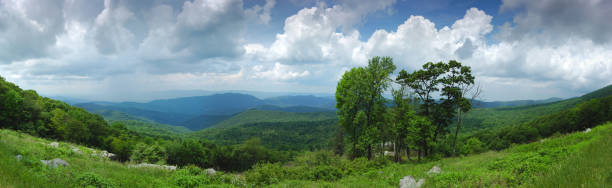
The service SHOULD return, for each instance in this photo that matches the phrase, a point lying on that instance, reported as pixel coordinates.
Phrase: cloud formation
(551, 48)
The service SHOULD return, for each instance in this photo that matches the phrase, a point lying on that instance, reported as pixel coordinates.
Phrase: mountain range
(200, 112)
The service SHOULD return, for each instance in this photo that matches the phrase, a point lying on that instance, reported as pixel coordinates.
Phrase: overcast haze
(119, 50)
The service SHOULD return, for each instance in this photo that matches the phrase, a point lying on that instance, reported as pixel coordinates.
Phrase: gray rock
(434, 170)
(389, 153)
(55, 162)
(410, 182)
(211, 171)
(76, 150)
(54, 144)
(19, 157)
(587, 130)
(147, 165)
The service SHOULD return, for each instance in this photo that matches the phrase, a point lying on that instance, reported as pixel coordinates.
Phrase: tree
(361, 105)
(446, 78)
(474, 91)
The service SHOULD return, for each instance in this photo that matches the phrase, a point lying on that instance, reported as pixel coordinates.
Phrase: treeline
(415, 121)
(585, 115)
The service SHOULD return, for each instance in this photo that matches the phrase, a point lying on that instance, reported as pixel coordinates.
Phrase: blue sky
(120, 50)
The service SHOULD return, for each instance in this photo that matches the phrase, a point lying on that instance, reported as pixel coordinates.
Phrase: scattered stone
(19, 157)
(211, 171)
(107, 154)
(410, 182)
(76, 150)
(434, 170)
(147, 165)
(54, 144)
(55, 162)
(587, 130)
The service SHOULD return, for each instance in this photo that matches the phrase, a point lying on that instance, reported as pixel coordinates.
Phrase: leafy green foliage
(361, 105)
(93, 180)
(148, 153)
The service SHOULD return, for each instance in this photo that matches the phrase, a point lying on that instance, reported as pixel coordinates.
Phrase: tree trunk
(407, 153)
(457, 131)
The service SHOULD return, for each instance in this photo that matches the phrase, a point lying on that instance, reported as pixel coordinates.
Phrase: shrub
(89, 179)
(327, 173)
(190, 176)
(265, 174)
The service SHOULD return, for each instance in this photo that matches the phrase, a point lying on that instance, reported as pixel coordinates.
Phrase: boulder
(587, 130)
(55, 162)
(211, 171)
(434, 170)
(410, 182)
(54, 144)
(19, 157)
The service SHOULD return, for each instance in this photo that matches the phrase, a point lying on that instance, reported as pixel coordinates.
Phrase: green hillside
(258, 116)
(85, 169)
(285, 136)
(483, 118)
(143, 125)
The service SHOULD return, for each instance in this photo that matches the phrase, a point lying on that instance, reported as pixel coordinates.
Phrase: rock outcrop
(211, 171)
(55, 162)
(410, 182)
(434, 170)
(147, 165)
(19, 157)
(54, 144)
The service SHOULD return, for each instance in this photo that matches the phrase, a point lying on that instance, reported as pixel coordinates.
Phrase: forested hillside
(483, 118)
(258, 116)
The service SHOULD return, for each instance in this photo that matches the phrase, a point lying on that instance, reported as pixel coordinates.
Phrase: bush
(190, 176)
(148, 154)
(327, 173)
(265, 174)
(89, 179)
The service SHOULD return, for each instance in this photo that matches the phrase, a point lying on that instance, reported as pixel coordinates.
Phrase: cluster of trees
(413, 120)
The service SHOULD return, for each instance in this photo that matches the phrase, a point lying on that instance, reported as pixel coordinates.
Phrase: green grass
(592, 167)
(84, 169)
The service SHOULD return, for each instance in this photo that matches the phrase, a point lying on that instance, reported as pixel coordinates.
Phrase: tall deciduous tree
(361, 105)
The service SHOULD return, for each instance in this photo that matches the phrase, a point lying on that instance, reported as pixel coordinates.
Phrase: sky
(116, 50)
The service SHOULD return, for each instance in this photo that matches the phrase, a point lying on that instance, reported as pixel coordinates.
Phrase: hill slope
(258, 116)
(483, 118)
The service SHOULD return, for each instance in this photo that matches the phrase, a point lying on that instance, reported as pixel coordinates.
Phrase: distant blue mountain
(495, 104)
(200, 112)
